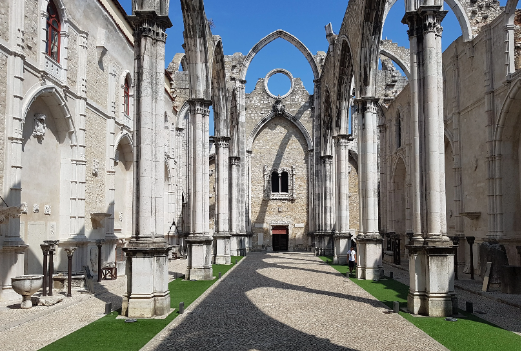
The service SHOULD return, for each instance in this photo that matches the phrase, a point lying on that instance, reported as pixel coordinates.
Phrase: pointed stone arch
(458, 10)
(270, 117)
(387, 51)
(279, 33)
(219, 91)
(125, 140)
(57, 104)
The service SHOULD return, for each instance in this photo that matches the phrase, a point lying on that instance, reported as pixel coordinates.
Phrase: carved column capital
(200, 106)
(150, 24)
(342, 140)
(431, 19)
(221, 142)
(235, 161)
(70, 251)
(327, 159)
(45, 249)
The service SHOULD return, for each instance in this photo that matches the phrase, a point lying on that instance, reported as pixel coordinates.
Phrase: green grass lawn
(468, 333)
(109, 333)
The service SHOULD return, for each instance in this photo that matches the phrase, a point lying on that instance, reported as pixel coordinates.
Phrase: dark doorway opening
(280, 238)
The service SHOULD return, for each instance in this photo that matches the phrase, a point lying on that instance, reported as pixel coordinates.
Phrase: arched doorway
(399, 211)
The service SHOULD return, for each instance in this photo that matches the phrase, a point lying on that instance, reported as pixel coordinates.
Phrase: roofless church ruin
(409, 154)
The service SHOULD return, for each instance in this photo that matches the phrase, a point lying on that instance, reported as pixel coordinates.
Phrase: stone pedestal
(11, 265)
(147, 279)
(240, 244)
(222, 252)
(199, 257)
(342, 245)
(369, 258)
(431, 275)
(324, 244)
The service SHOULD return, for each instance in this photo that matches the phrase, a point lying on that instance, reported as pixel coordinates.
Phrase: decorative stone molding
(272, 73)
(36, 208)
(47, 210)
(268, 194)
(278, 108)
(39, 126)
(23, 208)
(9, 212)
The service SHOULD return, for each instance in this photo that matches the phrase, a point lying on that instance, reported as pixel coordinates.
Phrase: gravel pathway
(39, 326)
(487, 305)
(290, 301)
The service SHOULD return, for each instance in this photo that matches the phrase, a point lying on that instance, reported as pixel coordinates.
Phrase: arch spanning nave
(100, 146)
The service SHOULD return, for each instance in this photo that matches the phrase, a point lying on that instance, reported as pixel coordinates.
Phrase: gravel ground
(486, 305)
(39, 326)
(290, 301)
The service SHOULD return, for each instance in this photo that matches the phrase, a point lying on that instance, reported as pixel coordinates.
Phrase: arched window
(275, 185)
(52, 47)
(284, 182)
(280, 182)
(126, 97)
(398, 132)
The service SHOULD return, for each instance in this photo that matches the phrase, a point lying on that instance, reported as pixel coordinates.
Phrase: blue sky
(242, 23)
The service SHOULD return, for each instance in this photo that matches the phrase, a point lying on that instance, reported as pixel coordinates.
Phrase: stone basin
(27, 285)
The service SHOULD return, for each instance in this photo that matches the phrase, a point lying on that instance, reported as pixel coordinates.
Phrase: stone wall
(97, 76)
(259, 105)
(95, 140)
(31, 32)
(4, 20)
(279, 144)
(72, 60)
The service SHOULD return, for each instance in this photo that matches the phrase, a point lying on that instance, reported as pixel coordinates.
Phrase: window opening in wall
(53, 32)
(127, 97)
(399, 132)
(275, 182)
(284, 182)
(279, 183)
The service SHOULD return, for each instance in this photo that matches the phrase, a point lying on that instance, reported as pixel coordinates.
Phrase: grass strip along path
(468, 333)
(109, 333)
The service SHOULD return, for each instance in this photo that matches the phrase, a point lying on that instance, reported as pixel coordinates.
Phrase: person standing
(351, 257)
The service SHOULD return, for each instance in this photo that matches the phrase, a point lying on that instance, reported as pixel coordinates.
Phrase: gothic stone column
(235, 170)
(147, 263)
(431, 260)
(222, 235)
(369, 241)
(343, 234)
(200, 240)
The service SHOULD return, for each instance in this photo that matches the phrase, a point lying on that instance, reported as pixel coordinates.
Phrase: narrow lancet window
(275, 186)
(53, 32)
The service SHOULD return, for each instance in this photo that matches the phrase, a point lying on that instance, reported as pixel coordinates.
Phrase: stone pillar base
(369, 257)
(240, 244)
(199, 257)
(342, 245)
(431, 276)
(222, 243)
(147, 273)
(324, 244)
